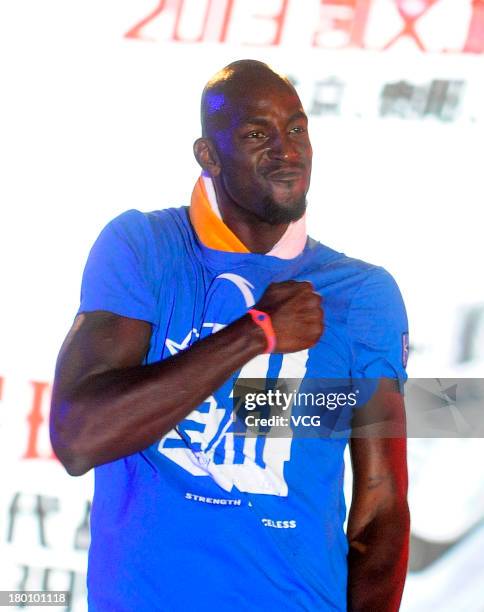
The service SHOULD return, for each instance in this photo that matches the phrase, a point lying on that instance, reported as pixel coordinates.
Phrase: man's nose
(283, 148)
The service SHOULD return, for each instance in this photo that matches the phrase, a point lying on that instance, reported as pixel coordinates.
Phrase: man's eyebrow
(255, 121)
(298, 115)
(263, 121)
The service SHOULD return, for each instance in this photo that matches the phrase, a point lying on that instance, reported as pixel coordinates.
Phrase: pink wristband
(263, 320)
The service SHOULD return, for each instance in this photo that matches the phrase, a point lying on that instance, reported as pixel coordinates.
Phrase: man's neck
(285, 241)
(257, 235)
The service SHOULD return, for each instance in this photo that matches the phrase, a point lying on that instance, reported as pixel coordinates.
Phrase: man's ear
(206, 156)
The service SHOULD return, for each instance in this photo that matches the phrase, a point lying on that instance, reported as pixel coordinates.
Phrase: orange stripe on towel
(211, 230)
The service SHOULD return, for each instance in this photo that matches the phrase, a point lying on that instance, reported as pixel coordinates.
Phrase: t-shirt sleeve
(378, 328)
(118, 276)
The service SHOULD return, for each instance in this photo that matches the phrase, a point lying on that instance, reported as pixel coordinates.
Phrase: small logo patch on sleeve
(405, 349)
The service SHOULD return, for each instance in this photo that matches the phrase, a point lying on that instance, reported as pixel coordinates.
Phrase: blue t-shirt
(205, 519)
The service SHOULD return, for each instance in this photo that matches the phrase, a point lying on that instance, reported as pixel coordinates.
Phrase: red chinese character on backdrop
(36, 420)
(341, 23)
(411, 11)
(475, 35)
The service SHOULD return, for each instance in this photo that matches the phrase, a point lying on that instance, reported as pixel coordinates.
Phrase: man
(187, 515)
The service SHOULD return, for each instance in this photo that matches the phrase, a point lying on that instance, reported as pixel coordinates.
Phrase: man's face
(266, 154)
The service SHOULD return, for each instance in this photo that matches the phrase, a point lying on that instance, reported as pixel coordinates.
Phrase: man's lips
(292, 174)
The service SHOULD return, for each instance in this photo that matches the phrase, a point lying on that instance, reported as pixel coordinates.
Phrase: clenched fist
(296, 313)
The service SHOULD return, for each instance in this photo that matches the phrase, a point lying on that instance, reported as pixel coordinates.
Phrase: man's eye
(256, 134)
(298, 129)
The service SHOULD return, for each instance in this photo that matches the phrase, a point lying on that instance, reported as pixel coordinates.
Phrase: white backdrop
(93, 123)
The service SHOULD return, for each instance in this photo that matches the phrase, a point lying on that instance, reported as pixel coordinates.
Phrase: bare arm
(106, 405)
(379, 524)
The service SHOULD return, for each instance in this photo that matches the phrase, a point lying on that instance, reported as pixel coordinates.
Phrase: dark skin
(267, 154)
(106, 405)
(379, 521)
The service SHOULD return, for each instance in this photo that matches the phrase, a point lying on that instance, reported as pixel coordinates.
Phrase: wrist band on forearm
(263, 320)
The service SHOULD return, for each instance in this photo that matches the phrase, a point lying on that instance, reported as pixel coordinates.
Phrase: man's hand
(296, 314)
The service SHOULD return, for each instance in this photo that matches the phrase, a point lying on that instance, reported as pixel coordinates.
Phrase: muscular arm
(378, 524)
(106, 405)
